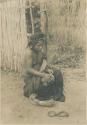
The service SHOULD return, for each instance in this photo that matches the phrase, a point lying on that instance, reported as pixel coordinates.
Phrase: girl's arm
(27, 66)
(35, 72)
(43, 66)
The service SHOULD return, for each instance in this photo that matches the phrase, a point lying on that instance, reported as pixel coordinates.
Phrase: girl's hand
(50, 71)
(51, 77)
(47, 78)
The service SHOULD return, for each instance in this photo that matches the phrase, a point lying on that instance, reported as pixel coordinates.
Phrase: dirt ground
(17, 109)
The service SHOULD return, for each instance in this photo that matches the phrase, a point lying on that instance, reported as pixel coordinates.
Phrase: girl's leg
(27, 89)
(58, 86)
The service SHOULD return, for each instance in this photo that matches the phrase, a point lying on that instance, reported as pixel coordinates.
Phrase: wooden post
(44, 20)
(32, 21)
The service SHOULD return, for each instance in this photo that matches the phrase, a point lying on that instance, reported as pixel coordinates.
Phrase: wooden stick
(32, 21)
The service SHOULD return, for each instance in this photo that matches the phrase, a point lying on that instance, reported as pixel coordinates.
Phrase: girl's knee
(57, 72)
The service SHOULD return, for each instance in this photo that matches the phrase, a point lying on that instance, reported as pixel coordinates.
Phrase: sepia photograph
(43, 62)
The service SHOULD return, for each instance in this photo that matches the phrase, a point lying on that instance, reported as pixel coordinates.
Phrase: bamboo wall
(13, 38)
(12, 33)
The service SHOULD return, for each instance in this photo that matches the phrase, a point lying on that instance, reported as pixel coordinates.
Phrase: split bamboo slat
(0, 36)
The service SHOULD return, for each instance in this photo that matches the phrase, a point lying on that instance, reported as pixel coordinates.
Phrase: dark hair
(35, 38)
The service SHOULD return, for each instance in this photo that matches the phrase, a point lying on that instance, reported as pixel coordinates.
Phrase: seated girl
(44, 80)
